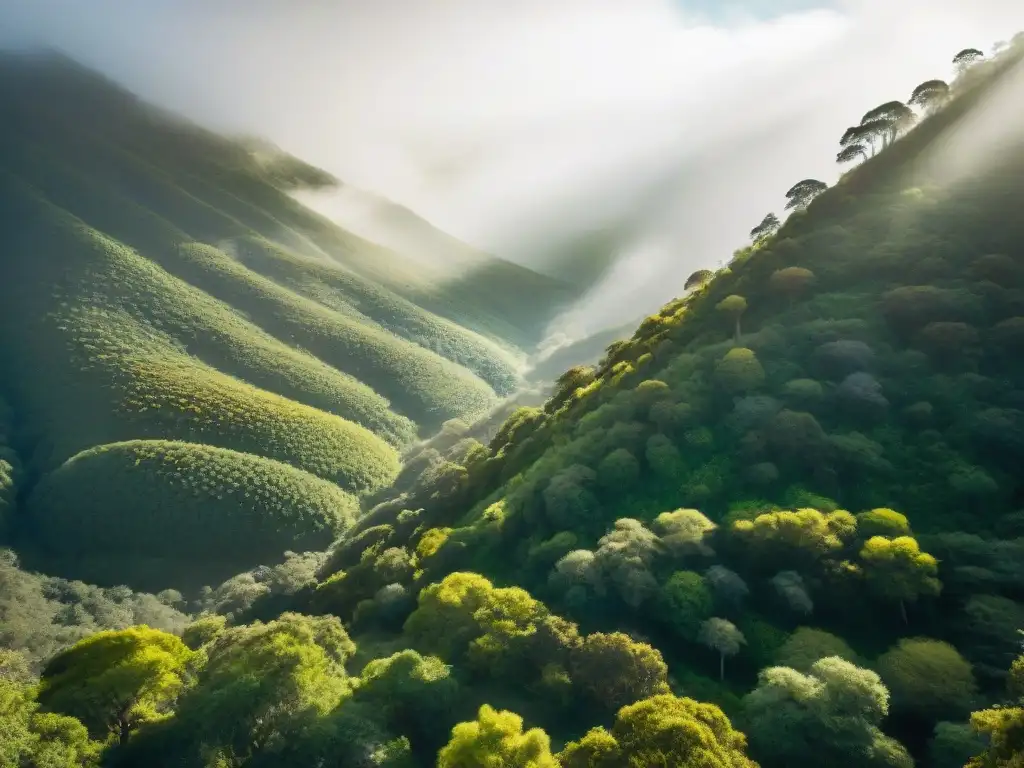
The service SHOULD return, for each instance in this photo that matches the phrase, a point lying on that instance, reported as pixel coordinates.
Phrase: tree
(567, 384)
(954, 745)
(930, 94)
(203, 630)
(568, 500)
(618, 471)
(804, 536)
(723, 636)
(1002, 728)
(30, 739)
(625, 554)
(496, 740)
(734, 306)
(791, 282)
(115, 681)
(263, 681)
(790, 586)
(769, 226)
(577, 570)
(803, 192)
(663, 730)
(443, 622)
(683, 532)
(739, 371)
(616, 670)
(851, 152)
(882, 522)
(698, 279)
(928, 678)
(685, 602)
(858, 139)
(412, 693)
(897, 569)
(966, 58)
(895, 115)
(728, 588)
(829, 716)
(808, 645)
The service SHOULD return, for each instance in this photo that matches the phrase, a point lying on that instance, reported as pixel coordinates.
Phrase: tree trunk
(737, 329)
(721, 666)
(124, 729)
(903, 612)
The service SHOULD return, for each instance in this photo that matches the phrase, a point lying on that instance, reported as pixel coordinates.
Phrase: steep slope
(458, 270)
(814, 454)
(214, 189)
(121, 319)
(348, 293)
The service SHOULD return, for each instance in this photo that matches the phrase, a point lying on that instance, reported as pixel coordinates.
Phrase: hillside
(781, 524)
(814, 453)
(160, 282)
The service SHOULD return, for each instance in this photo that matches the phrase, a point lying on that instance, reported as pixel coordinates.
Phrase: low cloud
(517, 126)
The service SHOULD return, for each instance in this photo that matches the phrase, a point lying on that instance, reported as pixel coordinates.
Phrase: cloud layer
(517, 125)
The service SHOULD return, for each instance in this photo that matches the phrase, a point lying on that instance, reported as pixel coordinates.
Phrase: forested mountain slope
(815, 453)
(779, 525)
(159, 282)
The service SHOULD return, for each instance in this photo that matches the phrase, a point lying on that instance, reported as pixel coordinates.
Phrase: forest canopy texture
(782, 524)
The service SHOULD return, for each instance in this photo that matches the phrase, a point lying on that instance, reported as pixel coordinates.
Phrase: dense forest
(295, 508)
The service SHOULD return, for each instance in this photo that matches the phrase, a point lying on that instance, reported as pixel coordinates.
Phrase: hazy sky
(515, 124)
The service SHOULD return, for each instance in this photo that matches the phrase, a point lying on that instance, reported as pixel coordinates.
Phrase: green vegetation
(419, 384)
(121, 320)
(778, 525)
(185, 501)
(347, 293)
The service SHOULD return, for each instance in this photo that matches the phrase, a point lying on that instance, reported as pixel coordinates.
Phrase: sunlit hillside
(779, 523)
(160, 282)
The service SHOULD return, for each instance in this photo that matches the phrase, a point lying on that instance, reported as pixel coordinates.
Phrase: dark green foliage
(830, 715)
(185, 502)
(928, 678)
(803, 192)
(10, 470)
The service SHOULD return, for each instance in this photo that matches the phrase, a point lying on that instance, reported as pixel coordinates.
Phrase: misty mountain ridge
(163, 293)
(778, 521)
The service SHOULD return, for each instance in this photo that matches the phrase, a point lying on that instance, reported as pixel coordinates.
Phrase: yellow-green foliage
(352, 295)
(662, 730)
(739, 370)
(153, 390)
(116, 681)
(419, 383)
(67, 296)
(116, 359)
(185, 502)
(496, 738)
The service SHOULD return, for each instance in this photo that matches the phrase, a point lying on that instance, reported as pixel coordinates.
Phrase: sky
(517, 125)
